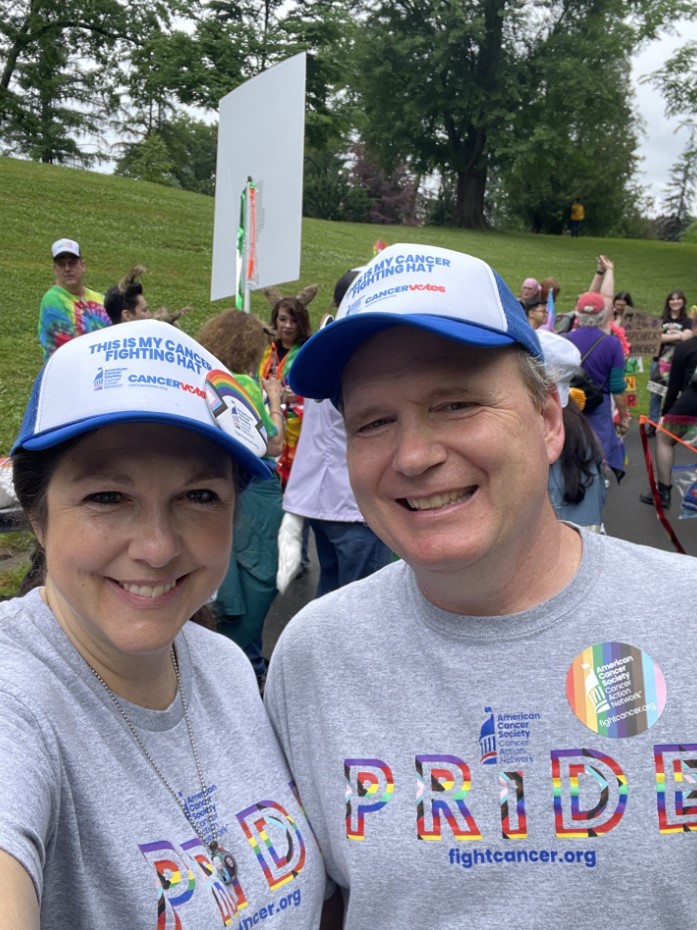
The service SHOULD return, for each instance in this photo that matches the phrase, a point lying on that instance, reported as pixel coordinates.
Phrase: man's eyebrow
(366, 412)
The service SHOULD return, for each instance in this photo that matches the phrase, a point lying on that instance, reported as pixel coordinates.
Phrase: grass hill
(120, 223)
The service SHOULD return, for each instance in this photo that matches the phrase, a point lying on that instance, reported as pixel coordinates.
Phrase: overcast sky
(662, 144)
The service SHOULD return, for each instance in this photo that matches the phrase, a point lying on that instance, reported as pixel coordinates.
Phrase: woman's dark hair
(31, 475)
(32, 471)
(625, 296)
(299, 313)
(124, 295)
(667, 318)
(579, 455)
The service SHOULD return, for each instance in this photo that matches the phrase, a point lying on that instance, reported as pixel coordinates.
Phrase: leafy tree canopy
(446, 84)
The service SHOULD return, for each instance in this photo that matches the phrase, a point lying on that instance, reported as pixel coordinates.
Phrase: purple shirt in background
(606, 355)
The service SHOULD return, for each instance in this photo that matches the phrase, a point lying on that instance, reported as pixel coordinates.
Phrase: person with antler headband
(124, 302)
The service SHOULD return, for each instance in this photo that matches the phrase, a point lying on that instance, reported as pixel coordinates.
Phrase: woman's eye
(105, 497)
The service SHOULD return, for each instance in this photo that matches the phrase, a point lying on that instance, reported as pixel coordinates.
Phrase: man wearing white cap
(501, 702)
(69, 309)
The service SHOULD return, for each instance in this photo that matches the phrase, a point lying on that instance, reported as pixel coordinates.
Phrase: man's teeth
(438, 500)
(144, 590)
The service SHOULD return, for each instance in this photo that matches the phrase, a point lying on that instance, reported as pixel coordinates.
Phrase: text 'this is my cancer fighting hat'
(447, 293)
(144, 371)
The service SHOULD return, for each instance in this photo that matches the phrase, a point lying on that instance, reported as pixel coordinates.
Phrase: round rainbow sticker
(616, 689)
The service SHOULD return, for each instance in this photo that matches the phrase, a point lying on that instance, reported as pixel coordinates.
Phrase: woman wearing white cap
(576, 484)
(140, 782)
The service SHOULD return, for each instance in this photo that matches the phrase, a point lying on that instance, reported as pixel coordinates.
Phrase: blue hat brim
(318, 367)
(251, 464)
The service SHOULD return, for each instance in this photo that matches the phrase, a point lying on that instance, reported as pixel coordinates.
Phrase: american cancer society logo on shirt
(505, 738)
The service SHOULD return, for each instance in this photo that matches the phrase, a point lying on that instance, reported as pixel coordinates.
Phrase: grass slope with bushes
(120, 222)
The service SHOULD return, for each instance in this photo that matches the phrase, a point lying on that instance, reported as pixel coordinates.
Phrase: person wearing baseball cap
(133, 741)
(603, 361)
(69, 308)
(452, 720)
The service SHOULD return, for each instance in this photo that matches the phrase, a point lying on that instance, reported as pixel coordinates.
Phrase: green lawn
(120, 223)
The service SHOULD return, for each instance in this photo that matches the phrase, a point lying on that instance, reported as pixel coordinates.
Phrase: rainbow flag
(551, 315)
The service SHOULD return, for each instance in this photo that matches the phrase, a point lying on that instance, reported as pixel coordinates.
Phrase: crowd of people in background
(596, 328)
(320, 494)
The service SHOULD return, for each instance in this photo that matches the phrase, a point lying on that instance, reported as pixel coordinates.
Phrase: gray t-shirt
(105, 843)
(533, 771)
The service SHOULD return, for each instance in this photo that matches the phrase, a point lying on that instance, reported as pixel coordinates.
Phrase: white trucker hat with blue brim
(145, 371)
(447, 293)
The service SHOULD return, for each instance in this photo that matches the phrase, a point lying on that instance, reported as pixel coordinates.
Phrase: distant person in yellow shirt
(578, 215)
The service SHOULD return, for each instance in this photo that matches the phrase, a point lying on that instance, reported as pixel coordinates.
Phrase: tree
(434, 83)
(147, 160)
(680, 193)
(677, 81)
(442, 81)
(228, 42)
(326, 31)
(391, 197)
(181, 152)
(58, 79)
(578, 115)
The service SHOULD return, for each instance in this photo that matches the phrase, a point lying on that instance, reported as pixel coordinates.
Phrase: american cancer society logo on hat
(234, 410)
(107, 378)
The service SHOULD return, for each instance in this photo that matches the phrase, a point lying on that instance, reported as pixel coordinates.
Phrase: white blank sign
(260, 135)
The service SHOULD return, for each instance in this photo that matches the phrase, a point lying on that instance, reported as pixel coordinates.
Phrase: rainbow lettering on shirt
(439, 781)
(514, 825)
(682, 761)
(262, 823)
(177, 883)
(365, 778)
(611, 782)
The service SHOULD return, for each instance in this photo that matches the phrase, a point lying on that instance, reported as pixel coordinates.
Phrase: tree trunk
(469, 202)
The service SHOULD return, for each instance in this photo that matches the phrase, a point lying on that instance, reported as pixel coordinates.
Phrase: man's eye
(202, 496)
(373, 425)
(456, 406)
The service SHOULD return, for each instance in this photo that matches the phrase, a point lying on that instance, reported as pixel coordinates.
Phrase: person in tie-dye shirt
(69, 308)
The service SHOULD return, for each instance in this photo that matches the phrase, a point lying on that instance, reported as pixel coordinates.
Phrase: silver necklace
(222, 859)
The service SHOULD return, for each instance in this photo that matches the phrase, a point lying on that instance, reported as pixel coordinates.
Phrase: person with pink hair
(529, 290)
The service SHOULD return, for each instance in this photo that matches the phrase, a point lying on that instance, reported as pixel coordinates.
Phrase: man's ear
(554, 425)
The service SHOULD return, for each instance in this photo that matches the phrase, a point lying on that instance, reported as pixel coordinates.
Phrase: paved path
(625, 516)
